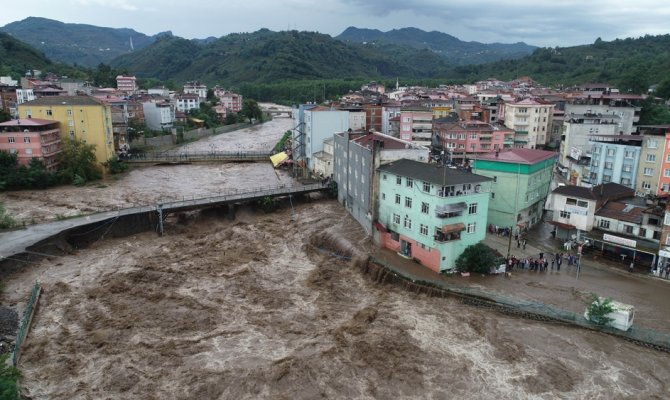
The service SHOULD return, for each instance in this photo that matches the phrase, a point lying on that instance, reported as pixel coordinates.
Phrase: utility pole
(509, 244)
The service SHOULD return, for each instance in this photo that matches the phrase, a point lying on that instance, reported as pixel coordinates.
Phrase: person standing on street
(631, 267)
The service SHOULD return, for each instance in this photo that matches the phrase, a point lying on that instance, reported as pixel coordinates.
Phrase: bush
(9, 376)
(115, 166)
(478, 258)
(6, 221)
(598, 309)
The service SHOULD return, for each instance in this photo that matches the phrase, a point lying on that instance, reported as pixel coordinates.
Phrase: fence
(384, 272)
(22, 333)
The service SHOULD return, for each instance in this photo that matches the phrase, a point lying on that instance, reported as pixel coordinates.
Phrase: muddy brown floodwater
(265, 306)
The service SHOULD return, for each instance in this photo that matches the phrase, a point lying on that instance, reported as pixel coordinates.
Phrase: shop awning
(562, 225)
(453, 228)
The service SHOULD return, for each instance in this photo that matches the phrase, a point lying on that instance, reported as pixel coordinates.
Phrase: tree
(6, 221)
(476, 258)
(251, 110)
(77, 162)
(5, 116)
(598, 310)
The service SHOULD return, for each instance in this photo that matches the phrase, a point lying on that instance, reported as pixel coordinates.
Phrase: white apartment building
(531, 121)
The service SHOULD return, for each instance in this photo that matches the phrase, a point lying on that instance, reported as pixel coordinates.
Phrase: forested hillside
(265, 56)
(629, 64)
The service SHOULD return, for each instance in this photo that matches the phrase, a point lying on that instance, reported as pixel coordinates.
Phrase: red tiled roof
(28, 122)
(521, 156)
(621, 212)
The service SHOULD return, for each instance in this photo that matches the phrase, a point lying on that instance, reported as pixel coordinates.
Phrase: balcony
(449, 233)
(521, 132)
(450, 210)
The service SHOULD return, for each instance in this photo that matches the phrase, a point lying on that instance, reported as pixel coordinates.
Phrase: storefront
(623, 249)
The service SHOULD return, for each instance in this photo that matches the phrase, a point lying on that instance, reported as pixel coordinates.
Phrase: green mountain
(451, 48)
(17, 57)
(80, 44)
(629, 64)
(265, 56)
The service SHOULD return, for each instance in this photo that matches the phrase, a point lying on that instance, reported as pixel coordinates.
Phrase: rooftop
(432, 173)
(621, 212)
(64, 101)
(605, 191)
(390, 143)
(27, 122)
(520, 156)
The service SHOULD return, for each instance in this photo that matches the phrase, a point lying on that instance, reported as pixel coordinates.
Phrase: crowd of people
(543, 263)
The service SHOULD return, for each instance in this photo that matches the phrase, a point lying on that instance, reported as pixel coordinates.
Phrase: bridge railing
(229, 195)
(176, 155)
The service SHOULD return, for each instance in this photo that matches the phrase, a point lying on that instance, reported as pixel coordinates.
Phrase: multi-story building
(196, 88)
(521, 179)
(430, 214)
(628, 114)
(30, 138)
(373, 117)
(575, 148)
(231, 101)
(664, 178)
(313, 125)
(531, 121)
(389, 112)
(651, 155)
(356, 158)
(615, 161)
(574, 207)
(465, 139)
(81, 117)
(187, 102)
(126, 84)
(159, 115)
(416, 125)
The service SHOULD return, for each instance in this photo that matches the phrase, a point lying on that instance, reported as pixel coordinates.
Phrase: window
(648, 171)
(607, 178)
(472, 227)
(408, 222)
(608, 165)
(625, 181)
(10, 139)
(628, 229)
(565, 214)
(646, 185)
(426, 187)
(423, 229)
(26, 139)
(49, 112)
(652, 144)
(605, 224)
(384, 177)
(425, 207)
(409, 182)
(408, 202)
(665, 187)
(629, 154)
(595, 163)
(582, 204)
(398, 180)
(610, 152)
(396, 218)
(383, 196)
(571, 202)
(473, 136)
(69, 113)
(643, 232)
(493, 195)
(666, 173)
(472, 209)
(627, 168)
(495, 179)
(29, 151)
(651, 157)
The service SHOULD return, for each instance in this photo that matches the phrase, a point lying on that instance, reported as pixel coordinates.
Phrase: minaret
(131, 44)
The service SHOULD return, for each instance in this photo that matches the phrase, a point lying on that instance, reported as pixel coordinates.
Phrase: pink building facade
(30, 138)
(466, 138)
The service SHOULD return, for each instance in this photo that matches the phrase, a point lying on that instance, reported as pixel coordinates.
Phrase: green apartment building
(430, 213)
(521, 183)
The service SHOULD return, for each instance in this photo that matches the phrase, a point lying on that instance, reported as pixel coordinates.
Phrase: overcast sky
(536, 22)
